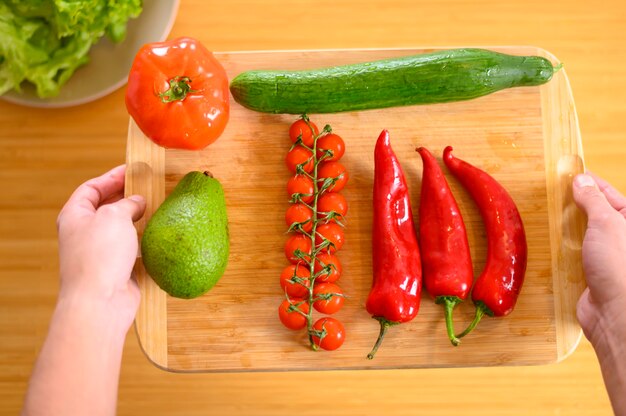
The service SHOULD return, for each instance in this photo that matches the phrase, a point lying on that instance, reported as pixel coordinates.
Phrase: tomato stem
(314, 249)
(180, 86)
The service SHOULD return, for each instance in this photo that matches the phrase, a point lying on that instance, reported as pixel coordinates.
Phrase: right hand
(601, 307)
(98, 246)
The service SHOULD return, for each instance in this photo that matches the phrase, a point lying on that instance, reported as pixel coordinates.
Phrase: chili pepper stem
(481, 310)
(449, 303)
(384, 326)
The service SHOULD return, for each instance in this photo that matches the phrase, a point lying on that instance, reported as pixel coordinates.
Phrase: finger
(131, 207)
(615, 198)
(91, 194)
(583, 301)
(589, 198)
(113, 198)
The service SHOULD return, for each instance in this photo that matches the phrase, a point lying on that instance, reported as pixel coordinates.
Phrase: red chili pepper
(447, 265)
(395, 294)
(496, 290)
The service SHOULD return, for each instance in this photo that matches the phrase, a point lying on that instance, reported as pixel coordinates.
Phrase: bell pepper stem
(384, 326)
(449, 303)
(481, 310)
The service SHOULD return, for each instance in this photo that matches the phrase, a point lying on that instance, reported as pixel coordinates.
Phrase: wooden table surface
(45, 154)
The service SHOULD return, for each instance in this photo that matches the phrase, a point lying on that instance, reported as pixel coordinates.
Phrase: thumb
(589, 198)
(133, 206)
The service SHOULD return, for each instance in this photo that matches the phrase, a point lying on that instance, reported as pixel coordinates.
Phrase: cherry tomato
(331, 232)
(301, 185)
(178, 95)
(332, 334)
(331, 202)
(300, 213)
(299, 289)
(332, 170)
(333, 304)
(324, 259)
(297, 242)
(299, 156)
(290, 318)
(334, 144)
(299, 127)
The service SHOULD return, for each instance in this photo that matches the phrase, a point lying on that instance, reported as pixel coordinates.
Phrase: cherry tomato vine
(315, 219)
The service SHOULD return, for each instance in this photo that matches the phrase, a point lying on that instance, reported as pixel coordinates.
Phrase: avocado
(185, 244)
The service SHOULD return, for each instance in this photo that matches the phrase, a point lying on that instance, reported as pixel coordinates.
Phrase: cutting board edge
(530, 48)
(183, 370)
(563, 142)
(145, 175)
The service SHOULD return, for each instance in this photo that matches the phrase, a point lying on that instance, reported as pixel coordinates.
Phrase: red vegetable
(395, 294)
(334, 171)
(299, 156)
(332, 205)
(178, 94)
(329, 334)
(327, 267)
(496, 290)
(304, 130)
(300, 188)
(294, 280)
(299, 217)
(446, 261)
(298, 244)
(289, 315)
(329, 298)
(333, 233)
(331, 144)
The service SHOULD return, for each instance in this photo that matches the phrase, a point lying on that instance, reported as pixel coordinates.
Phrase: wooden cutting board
(527, 138)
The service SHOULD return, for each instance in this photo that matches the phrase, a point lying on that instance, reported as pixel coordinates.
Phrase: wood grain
(511, 134)
(44, 155)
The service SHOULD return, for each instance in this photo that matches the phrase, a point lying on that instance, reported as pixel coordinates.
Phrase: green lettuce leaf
(44, 41)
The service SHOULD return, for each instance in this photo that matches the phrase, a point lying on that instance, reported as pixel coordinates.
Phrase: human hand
(600, 309)
(98, 244)
(77, 371)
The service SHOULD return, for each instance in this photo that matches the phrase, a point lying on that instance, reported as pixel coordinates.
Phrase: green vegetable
(44, 41)
(443, 76)
(185, 245)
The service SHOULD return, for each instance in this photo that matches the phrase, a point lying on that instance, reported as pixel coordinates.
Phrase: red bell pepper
(395, 294)
(496, 290)
(447, 265)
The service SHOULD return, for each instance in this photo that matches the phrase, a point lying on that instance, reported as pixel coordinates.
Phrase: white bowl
(109, 62)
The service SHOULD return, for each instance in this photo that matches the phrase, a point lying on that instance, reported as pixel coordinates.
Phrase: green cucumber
(438, 77)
